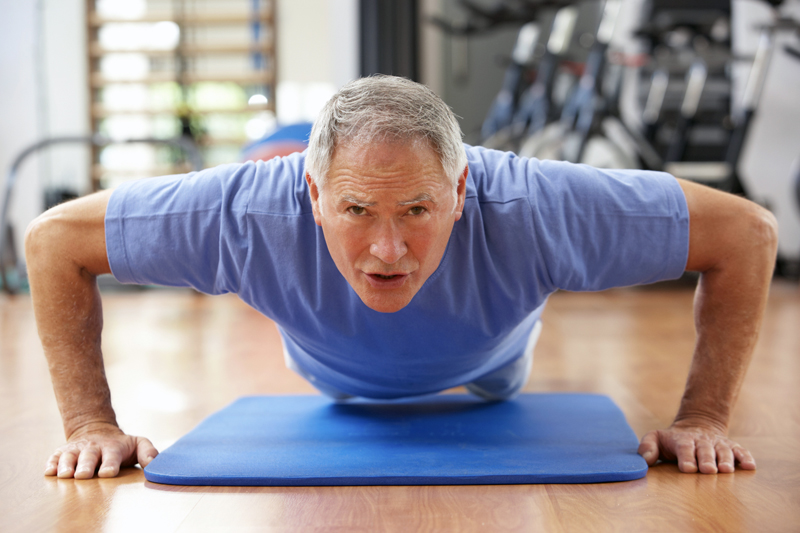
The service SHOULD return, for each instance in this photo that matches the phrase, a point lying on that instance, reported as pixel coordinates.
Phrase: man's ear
(313, 192)
(461, 193)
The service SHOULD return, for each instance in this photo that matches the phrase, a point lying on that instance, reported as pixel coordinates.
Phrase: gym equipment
(536, 109)
(752, 96)
(795, 53)
(535, 106)
(502, 110)
(569, 138)
(12, 270)
(695, 81)
(655, 102)
(433, 440)
(686, 114)
(482, 19)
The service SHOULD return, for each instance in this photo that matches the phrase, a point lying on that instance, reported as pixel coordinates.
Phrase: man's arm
(732, 243)
(65, 251)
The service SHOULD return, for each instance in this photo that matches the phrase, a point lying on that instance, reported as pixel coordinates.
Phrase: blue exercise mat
(434, 440)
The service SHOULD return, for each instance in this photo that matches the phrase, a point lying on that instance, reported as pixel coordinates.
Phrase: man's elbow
(39, 238)
(70, 235)
(762, 233)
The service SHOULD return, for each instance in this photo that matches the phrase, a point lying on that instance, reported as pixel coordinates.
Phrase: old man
(398, 262)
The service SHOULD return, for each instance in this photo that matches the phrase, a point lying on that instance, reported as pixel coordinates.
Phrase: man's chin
(385, 303)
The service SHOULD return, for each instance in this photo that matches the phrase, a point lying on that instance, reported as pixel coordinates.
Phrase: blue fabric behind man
(529, 228)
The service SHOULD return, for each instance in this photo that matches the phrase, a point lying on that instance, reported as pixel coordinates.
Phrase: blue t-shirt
(529, 227)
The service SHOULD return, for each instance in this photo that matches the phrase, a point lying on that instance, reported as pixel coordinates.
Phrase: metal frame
(186, 146)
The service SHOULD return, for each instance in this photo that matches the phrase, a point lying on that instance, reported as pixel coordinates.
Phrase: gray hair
(380, 109)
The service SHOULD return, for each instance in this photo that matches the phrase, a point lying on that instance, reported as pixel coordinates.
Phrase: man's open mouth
(386, 281)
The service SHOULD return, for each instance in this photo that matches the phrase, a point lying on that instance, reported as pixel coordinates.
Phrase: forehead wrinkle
(363, 198)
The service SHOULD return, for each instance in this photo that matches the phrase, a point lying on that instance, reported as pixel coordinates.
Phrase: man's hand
(103, 445)
(695, 446)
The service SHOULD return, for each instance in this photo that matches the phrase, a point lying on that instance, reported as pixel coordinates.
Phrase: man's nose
(389, 245)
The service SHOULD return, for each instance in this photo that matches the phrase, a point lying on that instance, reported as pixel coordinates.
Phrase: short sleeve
(184, 230)
(595, 229)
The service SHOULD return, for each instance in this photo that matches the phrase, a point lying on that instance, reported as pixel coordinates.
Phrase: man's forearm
(726, 336)
(729, 307)
(68, 313)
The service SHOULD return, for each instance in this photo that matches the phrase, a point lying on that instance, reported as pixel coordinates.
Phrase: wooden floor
(174, 357)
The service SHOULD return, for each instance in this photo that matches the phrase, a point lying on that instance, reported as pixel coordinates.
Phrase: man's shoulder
(268, 187)
(279, 187)
(498, 177)
(503, 176)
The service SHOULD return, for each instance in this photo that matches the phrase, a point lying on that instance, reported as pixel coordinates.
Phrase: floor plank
(174, 357)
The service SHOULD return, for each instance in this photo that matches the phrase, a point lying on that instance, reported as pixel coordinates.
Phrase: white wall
(303, 51)
(344, 35)
(18, 124)
(317, 54)
(64, 97)
(40, 102)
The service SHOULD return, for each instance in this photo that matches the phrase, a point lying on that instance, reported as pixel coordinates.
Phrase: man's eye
(357, 210)
(416, 210)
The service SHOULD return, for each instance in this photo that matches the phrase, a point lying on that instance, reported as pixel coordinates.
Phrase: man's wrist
(688, 417)
(74, 427)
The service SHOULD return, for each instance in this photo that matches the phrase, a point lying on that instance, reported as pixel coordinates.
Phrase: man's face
(387, 211)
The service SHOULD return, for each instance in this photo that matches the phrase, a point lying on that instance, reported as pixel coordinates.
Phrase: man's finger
(66, 463)
(87, 462)
(648, 449)
(685, 452)
(52, 464)
(112, 458)
(746, 460)
(145, 451)
(724, 458)
(706, 457)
